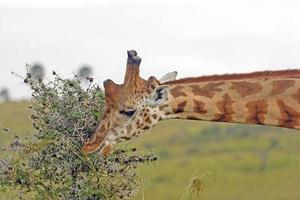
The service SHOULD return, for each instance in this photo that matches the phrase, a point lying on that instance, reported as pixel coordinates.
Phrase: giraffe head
(130, 108)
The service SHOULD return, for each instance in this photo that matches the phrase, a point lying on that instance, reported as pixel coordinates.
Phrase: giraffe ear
(171, 76)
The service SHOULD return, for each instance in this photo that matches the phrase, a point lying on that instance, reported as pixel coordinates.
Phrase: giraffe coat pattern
(264, 98)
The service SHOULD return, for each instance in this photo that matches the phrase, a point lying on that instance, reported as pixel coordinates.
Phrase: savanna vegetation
(198, 160)
(49, 163)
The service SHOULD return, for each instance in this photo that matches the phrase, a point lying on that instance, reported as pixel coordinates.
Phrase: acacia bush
(50, 164)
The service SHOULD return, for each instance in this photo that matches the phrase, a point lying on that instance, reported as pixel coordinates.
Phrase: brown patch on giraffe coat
(129, 128)
(225, 106)
(114, 131)
(148, 120)
(115, 124)
(161, 107)
(139, 127)
(154, 116)
(245, 88)
(180, 107)
(199, 107)
(176, 91)
(296, 96)
(208, 90)
(290, 118)
(256, 111)
(280, 86)
(104, 115)
(102, 128)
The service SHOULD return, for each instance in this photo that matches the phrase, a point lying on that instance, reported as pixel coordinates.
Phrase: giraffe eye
(159, 94)
(128, 113)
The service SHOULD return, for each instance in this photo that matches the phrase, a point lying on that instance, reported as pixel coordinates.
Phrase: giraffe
(265, 98)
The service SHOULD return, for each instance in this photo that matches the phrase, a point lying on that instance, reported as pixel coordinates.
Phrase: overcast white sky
(193, 37)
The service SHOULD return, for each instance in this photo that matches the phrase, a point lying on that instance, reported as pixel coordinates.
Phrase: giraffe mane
(291, 73)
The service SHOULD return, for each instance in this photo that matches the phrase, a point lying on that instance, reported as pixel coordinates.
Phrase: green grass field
(241, 162)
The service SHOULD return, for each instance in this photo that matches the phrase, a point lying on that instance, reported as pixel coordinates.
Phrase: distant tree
(85, 72)
(4, 94)
(36, 71)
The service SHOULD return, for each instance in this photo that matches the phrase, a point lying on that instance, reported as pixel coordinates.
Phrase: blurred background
(193, 37)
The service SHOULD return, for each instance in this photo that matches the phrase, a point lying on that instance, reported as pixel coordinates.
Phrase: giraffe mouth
(94, 144)
(104, 148)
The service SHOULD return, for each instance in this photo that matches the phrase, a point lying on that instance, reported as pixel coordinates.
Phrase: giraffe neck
(253, 99)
